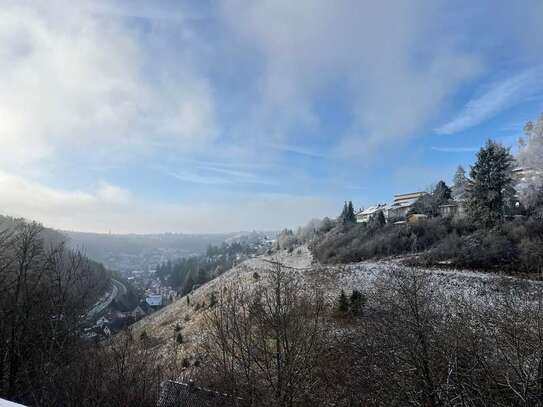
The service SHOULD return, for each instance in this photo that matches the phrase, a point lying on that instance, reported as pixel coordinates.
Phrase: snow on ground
(6, 403)
(475, 287)
(480, 288)
(188, 314)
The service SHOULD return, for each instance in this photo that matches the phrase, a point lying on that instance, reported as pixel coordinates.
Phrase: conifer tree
(343, 302)
(358, 301)
(343, 216)
(492, 190)
(460, 183)
(378, 219)
(442, 193)
(351, 217)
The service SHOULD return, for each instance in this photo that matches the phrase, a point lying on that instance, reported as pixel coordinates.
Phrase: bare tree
(266, 341)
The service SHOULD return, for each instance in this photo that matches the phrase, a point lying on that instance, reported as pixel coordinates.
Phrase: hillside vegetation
(369, 333)
(45, 289)
(500, 225)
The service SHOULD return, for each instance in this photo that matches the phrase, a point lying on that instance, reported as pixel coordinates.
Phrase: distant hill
(50, 236)
(136, 252)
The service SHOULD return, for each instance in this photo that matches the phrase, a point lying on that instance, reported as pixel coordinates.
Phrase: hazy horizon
(212, 117)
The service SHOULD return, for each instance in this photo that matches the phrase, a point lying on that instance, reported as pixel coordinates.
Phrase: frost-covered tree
(530, 157)
(460, 183)
(492, 184)
(286, 240)
(307, 233)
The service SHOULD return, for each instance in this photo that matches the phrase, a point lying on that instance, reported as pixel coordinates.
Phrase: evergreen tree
(358, 301)
(442, 193)
(347, 214)
(460, 183)
(492, 189)
(343, 302)
(351, 217)
(343, 215)
(378, 220)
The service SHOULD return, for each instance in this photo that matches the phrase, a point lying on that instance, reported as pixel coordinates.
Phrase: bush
(484, 249)
(360, 242)
(515, 245)
(531, 255)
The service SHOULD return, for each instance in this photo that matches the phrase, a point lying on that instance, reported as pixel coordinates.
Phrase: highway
(117, 289)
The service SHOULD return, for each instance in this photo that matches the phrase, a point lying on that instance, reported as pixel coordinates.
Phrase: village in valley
(139, 292)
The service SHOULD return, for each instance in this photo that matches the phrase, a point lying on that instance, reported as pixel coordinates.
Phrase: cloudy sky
(209, 116)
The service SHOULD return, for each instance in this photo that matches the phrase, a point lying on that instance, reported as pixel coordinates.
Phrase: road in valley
(117, 289)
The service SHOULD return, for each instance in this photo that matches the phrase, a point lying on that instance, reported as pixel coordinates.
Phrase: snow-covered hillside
(475, 287)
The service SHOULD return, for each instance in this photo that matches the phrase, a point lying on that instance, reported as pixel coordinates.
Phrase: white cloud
(75, 78)
(108, 207)
(25, 198)
(308, 46)
(295, 149)
(500, 96)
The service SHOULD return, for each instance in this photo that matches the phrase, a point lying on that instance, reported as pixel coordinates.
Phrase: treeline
(501, 224)
(401, 342)
(46, 290)
(186, 273)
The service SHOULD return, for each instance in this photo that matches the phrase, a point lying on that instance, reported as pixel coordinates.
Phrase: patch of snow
(6, 403)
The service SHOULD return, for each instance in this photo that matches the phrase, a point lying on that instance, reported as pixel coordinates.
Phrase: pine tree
(347, 214)
(343, 216)
(351, 217)
(492, 189)
(343, 302)
(442, 193)
(358, 301)
(460, 183)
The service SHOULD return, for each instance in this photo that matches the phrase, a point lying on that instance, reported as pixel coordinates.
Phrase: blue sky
(206, 116)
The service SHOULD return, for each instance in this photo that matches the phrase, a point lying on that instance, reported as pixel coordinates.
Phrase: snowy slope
(479, 288)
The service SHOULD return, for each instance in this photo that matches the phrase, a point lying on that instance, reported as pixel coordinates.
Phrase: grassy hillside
(365, 276)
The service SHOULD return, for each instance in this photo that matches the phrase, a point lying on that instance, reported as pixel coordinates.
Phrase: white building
(154, 300)
(402, 203)
(365, 215)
